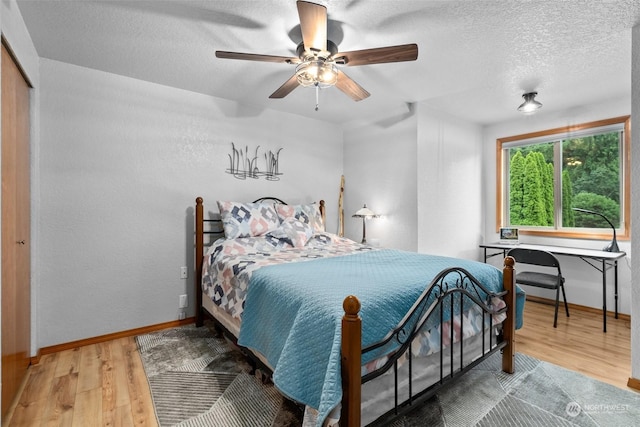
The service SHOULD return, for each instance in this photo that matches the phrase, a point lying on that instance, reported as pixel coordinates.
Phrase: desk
(590, 256)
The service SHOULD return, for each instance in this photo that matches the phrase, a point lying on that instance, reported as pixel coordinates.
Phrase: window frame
(566, 132)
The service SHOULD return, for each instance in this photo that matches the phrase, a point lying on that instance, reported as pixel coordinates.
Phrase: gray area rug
(198, 379)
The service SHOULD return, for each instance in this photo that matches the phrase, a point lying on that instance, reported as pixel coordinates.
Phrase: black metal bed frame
(449, 284)
(444, 288)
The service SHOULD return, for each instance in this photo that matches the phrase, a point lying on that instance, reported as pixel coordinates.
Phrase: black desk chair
(541, 280)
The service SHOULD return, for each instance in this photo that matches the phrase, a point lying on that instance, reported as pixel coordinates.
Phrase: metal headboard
(269, 199)
(213, 227)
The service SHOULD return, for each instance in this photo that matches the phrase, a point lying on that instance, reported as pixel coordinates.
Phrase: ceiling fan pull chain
(317, 95)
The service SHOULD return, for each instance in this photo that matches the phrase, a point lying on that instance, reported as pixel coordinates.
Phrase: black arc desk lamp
(611, 247)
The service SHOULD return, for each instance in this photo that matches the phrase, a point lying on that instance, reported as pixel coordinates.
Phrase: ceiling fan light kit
(316, 64)
(316, 72)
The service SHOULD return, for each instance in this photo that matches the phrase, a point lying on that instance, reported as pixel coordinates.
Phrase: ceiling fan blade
(313, 24)
(352, 89)
(286, 88)
(256, 57)
(380, 55)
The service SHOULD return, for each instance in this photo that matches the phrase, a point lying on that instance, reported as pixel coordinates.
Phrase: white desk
(591, 256)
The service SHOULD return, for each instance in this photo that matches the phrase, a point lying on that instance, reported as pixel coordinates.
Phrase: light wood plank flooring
(95, 385)
(104, 384)
(578, 342)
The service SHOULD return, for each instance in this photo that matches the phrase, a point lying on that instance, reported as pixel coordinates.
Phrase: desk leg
(604, 295)
(615, 284)
(485, 255)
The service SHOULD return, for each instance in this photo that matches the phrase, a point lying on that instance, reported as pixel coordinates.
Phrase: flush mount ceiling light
(530, 104)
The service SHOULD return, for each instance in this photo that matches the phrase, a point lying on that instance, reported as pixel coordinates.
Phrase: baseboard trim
(634, 383)
(579, 307)
(36, 359)
(108, 337)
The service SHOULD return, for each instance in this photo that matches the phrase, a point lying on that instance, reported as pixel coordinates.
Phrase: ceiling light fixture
(530, 104)
(317, 72)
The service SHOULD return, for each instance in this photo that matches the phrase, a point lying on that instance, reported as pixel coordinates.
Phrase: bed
(358, 335)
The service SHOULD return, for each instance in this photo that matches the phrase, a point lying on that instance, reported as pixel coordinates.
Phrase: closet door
(16, 313)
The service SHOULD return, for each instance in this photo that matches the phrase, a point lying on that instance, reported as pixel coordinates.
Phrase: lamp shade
(365, 212)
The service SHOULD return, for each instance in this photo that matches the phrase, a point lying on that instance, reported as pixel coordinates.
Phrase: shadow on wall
(395, 119)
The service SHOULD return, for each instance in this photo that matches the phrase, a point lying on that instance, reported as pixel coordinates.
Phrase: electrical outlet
(182, 315)
(184, 273)
(183, 301)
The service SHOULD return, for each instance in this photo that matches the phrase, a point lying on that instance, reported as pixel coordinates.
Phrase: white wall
(635, 203)
(422, 171)
(583, 283)
(380, 170)
(449, 185)
(121, 163)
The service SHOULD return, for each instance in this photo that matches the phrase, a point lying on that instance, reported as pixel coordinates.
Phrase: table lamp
(611, 247)
(364, 213)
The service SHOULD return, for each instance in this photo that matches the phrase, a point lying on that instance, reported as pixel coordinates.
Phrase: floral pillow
(308, 214)
(294, 232)
(247, 219)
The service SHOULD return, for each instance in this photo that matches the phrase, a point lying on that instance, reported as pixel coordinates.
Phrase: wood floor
(578, 342)
(104, 384)
(95, 385)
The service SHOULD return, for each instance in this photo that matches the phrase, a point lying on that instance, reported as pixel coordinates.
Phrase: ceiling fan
(318, 57)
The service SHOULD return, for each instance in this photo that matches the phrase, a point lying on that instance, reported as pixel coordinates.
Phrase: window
(543, 176)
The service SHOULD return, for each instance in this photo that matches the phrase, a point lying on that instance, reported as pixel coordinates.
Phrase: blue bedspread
(293, 312)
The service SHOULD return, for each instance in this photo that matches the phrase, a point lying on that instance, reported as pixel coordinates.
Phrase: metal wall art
(243, 165)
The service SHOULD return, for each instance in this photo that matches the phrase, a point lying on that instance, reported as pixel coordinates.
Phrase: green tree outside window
(588, 167)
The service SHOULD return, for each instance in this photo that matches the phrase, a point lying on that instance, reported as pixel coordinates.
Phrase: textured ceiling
(476, 58)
